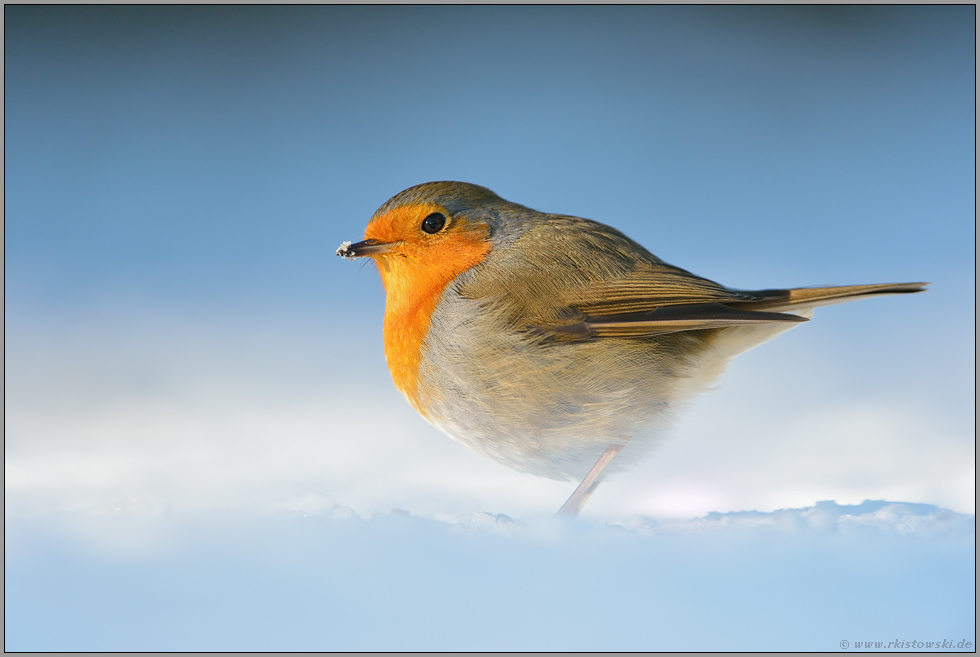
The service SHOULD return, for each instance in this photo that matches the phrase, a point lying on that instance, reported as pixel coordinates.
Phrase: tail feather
(810, 297)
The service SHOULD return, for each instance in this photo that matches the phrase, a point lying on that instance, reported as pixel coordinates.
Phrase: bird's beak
(365, 248)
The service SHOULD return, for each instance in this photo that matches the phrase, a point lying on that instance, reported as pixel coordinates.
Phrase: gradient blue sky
(182, 344)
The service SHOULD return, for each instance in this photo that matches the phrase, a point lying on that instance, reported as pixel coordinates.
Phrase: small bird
(549, 342)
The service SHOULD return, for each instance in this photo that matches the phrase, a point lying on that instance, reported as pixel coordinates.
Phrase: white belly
(553, 409)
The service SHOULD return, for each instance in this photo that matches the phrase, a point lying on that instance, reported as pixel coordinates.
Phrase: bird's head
(424, 237)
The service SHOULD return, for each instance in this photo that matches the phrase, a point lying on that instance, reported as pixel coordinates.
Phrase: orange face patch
(415, 270)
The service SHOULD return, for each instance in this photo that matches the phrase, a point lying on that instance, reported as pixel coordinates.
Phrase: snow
(797, 579)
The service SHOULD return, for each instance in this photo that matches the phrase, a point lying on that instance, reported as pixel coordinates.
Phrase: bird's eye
(433, 223)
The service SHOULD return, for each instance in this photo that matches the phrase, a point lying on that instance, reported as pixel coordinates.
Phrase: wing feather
(573, 279)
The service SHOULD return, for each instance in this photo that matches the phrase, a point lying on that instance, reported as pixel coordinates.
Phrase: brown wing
(666, 299)
(655, 299)
(573, 279)
(667, 319)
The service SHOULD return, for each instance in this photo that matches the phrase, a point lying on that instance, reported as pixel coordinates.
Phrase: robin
(549, 342)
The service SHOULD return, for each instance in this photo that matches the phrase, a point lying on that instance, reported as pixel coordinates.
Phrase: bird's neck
(413, 293)
(408, 313)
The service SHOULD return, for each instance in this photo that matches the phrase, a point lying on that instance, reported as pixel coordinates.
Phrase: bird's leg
(574, 503)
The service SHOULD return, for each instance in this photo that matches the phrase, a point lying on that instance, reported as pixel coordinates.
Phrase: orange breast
(415, 274)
